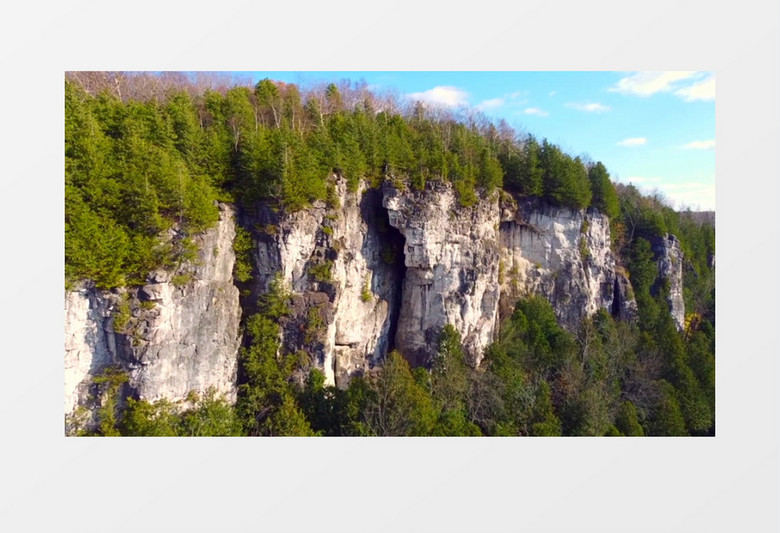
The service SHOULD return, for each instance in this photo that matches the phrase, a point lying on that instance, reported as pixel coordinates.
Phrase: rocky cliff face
(564, 255)
(369, 271)
(170, 338)
(89, 343)
(451, 256)
(669, 257)
(341, 263)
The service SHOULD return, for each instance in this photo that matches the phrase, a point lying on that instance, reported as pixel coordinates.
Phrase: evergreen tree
(604, 195)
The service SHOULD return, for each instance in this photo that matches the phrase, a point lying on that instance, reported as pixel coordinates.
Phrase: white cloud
(535, 111)
(700, 145)
(552, 93)
(443, 95)
(703, 90)
(633, 141)
(647, 83)
(490, 104)
(517, 94)
(593, 107)
(688, 85)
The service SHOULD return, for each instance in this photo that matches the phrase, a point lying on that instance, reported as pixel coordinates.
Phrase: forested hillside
(147, 158)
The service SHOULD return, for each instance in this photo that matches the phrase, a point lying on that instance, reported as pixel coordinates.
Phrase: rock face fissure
(174, 339)
(341, 264)
(392, 255)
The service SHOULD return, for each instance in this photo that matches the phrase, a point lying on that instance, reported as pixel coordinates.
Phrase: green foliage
(322, 272)
(211, 416)
(547, 345)
(289, 421)
(583, 247)
(668, 419)
(627, 420)
(137, 168)
(108, 385)
(181, 279)
(242, 246)
(315, 325)
(158, 419)
(266, 397)
(604, 195)
(130, 174)
(365, 294)
(565, 180)
(397, 405)
(522, 168)
(276, 302)
(122, 314)
(449, 367)
(544, 422)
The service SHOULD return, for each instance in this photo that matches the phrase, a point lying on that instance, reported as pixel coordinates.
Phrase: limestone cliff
(170, 338)
(368, 271)
(564, 255)
(341, 263)
(451, 255)
(669, 257)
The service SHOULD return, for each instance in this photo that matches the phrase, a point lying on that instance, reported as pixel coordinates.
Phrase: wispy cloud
(648, 83)
(552, 93)
(700, 145)
(590, 107)
(535, 111)
(493, 103)
(442, 95)
(689, 85)
(633, 141)
(508, 100)
(703, 90)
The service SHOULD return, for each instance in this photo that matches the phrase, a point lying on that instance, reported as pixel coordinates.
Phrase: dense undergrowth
(143, 174)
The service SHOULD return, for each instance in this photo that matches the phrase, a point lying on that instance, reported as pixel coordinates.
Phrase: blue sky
(653, 129)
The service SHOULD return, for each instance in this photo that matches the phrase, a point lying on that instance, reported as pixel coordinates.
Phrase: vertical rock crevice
(339, 260)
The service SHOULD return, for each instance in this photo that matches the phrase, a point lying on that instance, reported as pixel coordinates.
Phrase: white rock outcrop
(189, 339)
(669, 257)
(452, 257)
(562, 254)
(355, 298)
(89, 343)
(178, 338)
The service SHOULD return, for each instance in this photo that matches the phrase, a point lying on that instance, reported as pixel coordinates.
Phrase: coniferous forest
(147, 158)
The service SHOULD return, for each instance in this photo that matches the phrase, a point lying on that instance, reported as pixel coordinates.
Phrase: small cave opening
(389, 269)
(616, 299)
